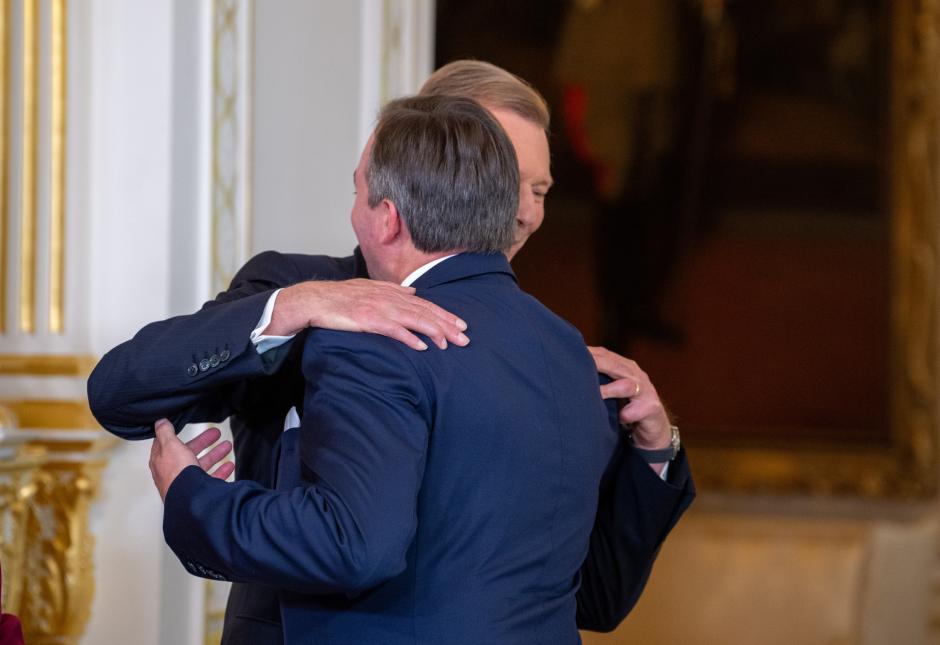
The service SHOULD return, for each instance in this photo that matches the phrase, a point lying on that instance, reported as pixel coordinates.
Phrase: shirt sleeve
(262, 342)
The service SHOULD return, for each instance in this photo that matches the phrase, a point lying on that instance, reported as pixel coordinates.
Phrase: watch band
(663, 454)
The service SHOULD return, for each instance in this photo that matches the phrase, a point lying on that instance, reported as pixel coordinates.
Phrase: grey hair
(450, 170)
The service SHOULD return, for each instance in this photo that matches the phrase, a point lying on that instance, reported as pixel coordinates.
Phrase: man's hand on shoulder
(640, 406)
(169, 456)
(365, 306)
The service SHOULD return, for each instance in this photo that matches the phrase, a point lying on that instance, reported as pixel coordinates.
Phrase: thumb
(164, 430)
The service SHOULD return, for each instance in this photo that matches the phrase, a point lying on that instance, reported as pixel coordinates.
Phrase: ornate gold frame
(906, 466)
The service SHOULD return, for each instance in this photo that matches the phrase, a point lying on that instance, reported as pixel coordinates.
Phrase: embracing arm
(348, 523)
(159, 372)
(636, 511)
(189, 368)
(637, 508)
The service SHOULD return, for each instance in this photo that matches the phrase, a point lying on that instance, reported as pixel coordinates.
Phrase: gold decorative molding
(57, 170)
(51, 414)
(48, 479)
(28, 197)
(905, 466)
(216, 595)
(19, 466)
(59, 573)
(231, 187)
(231, 139)
(46, 365)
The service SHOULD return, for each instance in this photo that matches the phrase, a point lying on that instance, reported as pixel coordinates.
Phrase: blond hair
(491, 85)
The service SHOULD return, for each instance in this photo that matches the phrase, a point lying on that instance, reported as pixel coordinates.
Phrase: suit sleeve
(184, 368)
(636, 511)
(349, 523)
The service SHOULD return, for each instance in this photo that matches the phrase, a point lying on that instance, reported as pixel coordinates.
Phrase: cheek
(531, 212)
(538, 214)
(526, 207)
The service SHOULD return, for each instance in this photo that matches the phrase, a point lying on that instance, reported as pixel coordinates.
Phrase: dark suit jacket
(149, 377)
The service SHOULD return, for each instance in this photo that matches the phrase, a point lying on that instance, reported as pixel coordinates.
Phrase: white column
(127, 152)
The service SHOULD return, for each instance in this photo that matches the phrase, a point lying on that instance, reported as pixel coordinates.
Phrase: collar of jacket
(465, 265)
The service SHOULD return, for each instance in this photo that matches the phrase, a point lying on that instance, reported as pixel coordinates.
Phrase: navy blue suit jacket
(435, 497)
(147, 378)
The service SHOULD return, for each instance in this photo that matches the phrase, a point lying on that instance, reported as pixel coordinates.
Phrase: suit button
(214, 360)
(224, 355)
(192, 370)
(204, 365)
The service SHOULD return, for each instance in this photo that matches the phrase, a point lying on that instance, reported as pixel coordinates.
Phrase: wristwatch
(664, 454)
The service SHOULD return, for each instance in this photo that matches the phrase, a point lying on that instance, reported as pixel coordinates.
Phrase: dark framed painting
(747, 203)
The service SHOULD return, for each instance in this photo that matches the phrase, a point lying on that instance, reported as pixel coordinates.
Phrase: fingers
(613, 365)
(629, 381)
(203, 440)
(624, 388)
(402, 335)
(420, 316)
(438, 325)
(643, 410)
(641, 407)
(215, 455)
(370, 306)
(408, 315)
(163, 431)
(442, 314)
(224, 471)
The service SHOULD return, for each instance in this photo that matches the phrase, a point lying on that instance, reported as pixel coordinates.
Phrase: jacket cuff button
(204, 365)
(192, 370)
(214, 360)
(224, 356)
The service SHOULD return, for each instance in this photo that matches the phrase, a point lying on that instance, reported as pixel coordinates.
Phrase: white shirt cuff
(665, 472)
(261, 342)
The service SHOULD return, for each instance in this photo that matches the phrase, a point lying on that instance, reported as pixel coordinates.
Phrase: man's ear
(392, 225)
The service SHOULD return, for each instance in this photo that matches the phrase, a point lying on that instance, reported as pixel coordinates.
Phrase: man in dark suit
(203, 367)
(431, 497)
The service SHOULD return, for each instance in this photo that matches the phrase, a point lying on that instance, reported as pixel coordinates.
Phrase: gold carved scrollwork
(59, 580)
(49, 474)
(58, 570)
(907, 464)
(19, 466)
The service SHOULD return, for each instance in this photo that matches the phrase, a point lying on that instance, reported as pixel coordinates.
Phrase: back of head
(450, 170)
(490, 85)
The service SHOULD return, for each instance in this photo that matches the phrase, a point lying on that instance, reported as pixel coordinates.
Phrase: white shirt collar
(424, 268)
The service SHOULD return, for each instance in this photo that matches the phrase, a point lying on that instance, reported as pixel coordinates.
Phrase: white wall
(322, 68)
(305, 139)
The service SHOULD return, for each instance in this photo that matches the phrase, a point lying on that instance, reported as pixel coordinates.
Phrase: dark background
(755, 247)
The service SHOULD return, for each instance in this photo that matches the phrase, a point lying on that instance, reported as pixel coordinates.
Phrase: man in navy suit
(160, 373)
(427, 497)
